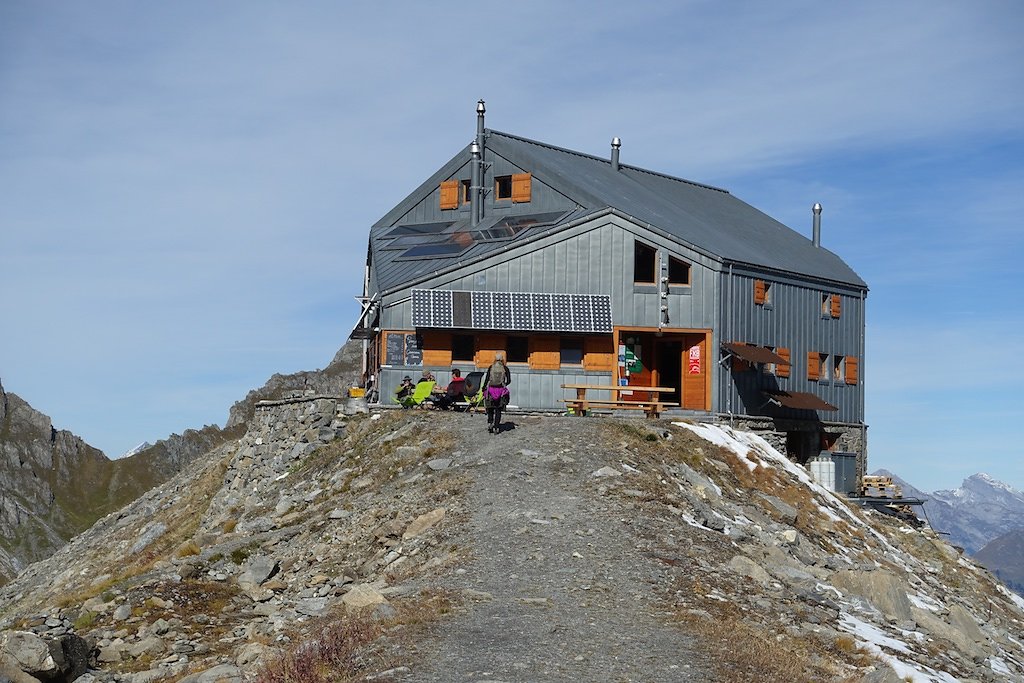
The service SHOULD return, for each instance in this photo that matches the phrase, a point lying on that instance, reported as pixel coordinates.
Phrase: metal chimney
(816, 239)
(616, 143)
(476, 204)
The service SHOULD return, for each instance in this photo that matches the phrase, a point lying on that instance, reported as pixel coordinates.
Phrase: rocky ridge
(452, 548)
(54, 485)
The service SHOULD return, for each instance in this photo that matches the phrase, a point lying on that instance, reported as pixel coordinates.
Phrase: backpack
(496, 376)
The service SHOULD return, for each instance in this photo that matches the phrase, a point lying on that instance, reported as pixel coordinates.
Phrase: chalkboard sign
(395, 352)
(413, 350)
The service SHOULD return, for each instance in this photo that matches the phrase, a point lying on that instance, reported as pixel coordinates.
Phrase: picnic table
(581, 404)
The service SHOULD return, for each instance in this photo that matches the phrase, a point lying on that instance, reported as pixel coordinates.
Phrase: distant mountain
(53, 485)
(1004, 557)
(138, 449)
(979, 511)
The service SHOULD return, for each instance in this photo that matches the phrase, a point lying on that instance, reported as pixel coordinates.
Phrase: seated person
(455, 392)
(405, 388)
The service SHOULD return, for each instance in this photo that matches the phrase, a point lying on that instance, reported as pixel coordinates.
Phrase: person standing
(496, 392)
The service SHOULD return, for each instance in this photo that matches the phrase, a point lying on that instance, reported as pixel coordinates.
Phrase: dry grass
(345, 647)
(745, 650)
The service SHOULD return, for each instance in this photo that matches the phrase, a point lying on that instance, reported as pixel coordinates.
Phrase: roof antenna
(616, 143)
(817, 225)
(476, 206)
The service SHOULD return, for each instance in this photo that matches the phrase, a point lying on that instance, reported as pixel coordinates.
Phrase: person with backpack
(496, 392)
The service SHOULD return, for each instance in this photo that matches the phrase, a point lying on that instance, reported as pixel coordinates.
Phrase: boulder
(422, 523)
(257, 570)
(29, 653)
(224, 673)
(884, 591)
(362, 595)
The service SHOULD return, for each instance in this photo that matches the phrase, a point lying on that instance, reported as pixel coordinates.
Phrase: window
(823, 364)
(503, 187)
(463, 348)
(778, 369)
(644, 263)
(571, 351)
(762, 292)
(831, 305)
(678, 271)
(518, 349)
(466, 186)
(838, 368)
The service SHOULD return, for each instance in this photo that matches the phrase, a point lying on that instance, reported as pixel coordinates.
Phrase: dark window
(644, 259)
(466, 185)
(518, 349)
(503, 187)
(463, 348)
(678, 271)
(571, 351)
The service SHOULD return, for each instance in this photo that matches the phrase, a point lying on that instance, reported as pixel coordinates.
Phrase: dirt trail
(565, 591)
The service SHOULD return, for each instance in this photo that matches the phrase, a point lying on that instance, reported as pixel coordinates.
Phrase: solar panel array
(541, 312)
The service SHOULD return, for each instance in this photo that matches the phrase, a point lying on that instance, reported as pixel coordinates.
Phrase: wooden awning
(754, 354)
(799, 400)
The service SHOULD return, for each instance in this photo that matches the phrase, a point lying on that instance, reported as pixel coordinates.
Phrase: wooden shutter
(437, 348)
(782, 370)
(487, 347)
(759, 292)
(851, 370)
(813, 366)
(545, 353)
(521, 187)
(837, 303)
(598, 354)
(450, 194)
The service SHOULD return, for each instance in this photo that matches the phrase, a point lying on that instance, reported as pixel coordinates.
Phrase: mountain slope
(560, 550)
(1004, 557)
(53, 485)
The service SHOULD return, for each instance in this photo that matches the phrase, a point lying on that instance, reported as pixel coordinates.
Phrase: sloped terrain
(53, 485)
(1004, 557)
(412, 545)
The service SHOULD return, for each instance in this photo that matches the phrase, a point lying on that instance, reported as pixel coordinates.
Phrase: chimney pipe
(816, 239)
(476, 189)
(616, 143)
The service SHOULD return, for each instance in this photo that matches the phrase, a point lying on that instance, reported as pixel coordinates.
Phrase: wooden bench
(581, 404)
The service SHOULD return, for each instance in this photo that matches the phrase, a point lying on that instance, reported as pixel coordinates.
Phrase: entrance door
(670, 368)
(673, 359)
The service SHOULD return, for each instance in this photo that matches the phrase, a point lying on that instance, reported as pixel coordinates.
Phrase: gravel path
(557, 588)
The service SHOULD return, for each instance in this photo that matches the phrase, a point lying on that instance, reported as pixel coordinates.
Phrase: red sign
(695, 360)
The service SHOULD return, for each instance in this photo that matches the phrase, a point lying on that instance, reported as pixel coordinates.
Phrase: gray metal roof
(707, 218)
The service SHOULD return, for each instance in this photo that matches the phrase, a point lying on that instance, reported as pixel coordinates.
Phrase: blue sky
(188, 186)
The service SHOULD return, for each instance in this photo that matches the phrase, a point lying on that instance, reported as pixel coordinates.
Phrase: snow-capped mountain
(974, 514)
(138, 449)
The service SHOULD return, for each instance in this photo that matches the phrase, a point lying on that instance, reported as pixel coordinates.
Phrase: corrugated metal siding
(793, 320)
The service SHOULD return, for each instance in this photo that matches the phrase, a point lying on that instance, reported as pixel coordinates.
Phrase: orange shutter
(437, 348)
(545, 353)
(851, 370)
(813, 366)
(450, 194)
(758, 291)
(598, 354)
(487, 346)
(782, 370)
(836, 305)
(521, 187)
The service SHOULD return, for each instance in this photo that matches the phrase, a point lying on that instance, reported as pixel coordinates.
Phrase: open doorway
(677, 359)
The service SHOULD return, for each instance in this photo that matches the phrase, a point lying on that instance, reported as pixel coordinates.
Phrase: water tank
(823, 470)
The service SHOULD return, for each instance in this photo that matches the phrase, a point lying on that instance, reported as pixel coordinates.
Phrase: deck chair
(474, 390)
(418, 396)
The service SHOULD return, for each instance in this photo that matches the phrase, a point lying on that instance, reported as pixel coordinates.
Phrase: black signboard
(413, 350)
(394, 354)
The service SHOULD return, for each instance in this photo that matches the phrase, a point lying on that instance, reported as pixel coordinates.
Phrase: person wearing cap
(405, 388)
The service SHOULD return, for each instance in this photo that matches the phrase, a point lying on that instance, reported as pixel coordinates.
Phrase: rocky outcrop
(342, 372)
